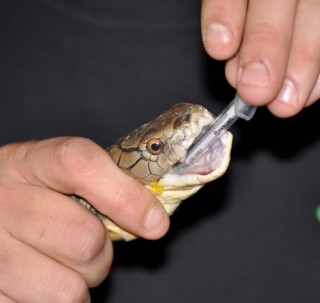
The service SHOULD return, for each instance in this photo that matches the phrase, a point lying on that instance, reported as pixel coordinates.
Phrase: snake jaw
(176, 188)
(209, 167)
(211, 158)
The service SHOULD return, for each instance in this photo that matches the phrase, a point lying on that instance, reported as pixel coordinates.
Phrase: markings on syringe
(195, 156)
(199, 152)
(218, 132)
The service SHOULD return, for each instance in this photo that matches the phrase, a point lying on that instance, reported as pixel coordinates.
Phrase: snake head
(151, 152)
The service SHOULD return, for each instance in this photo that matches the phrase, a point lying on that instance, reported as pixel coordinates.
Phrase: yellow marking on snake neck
(156, 189)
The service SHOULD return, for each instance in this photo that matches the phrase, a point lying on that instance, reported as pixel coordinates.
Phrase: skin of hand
(52, 248)
(271, 47)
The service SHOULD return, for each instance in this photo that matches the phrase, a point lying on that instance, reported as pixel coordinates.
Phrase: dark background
(98, 69)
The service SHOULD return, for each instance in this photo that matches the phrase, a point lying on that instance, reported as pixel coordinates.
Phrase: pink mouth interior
(209, 161)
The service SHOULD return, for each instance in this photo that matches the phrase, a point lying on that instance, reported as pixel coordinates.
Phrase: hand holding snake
(51, 246)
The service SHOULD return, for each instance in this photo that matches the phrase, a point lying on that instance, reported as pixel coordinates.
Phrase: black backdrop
(99, 69)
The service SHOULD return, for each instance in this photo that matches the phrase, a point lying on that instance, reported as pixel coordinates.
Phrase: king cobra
(151, 152)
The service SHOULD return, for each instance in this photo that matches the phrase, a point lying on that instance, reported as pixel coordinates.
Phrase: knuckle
(102, 267)
(8, 155)
(304, 55)
(74, 291)
(90, 241)
(5, 152)
(75, 155)
(265, 33)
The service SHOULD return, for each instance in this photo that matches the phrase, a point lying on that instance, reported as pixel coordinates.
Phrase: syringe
(237, 108)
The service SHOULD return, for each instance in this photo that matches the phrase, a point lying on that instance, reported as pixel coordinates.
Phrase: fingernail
(254, 73)
(155, 218)
(217, 35)
(288, 93)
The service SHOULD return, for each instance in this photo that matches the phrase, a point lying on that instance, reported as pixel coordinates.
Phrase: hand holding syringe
(236, 109)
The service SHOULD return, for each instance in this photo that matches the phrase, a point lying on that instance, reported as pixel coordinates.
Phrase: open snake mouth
(212, 157)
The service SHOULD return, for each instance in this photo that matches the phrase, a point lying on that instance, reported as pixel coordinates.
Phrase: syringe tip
(244, 110)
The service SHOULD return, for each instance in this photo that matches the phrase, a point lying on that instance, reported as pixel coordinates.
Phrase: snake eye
(155, 146)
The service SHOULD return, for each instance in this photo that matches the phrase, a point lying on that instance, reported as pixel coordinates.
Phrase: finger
(304, 63)
(78, 166)
(58, 227)
(40, 279)
(222, 24)
(258, 70)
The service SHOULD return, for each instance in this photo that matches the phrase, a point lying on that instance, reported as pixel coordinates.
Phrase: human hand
(52, 249)
(272, 48)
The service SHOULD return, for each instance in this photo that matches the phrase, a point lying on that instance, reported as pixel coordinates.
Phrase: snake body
(151, 152)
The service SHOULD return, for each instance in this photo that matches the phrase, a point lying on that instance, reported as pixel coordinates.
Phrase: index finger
(259, 69)
(222, 24)
(79, 166)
